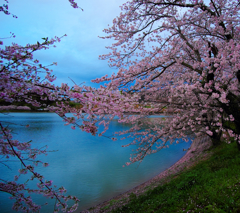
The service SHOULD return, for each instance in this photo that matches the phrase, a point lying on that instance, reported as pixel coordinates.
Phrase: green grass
(210, 186)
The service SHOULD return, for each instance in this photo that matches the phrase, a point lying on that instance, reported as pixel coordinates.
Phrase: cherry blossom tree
(24, 79)
(175, 57)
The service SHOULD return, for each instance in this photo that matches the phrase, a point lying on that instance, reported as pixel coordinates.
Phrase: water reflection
(87, 166)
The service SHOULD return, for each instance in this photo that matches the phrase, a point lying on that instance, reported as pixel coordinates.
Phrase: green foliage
(210, 186)
(76, 105)
(230, 125)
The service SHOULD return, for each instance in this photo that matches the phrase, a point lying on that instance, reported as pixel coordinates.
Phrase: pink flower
(209, 132)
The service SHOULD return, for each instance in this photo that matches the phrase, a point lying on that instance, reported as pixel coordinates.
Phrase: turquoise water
(89, 167)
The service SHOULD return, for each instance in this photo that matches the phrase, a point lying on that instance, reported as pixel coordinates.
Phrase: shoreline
(193, 155)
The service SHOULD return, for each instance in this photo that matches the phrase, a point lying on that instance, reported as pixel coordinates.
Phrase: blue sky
(77, 54)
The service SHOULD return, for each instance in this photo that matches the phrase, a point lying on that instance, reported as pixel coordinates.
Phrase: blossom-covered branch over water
(172, 56)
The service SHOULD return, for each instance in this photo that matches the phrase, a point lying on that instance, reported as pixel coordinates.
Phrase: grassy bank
(212, 185)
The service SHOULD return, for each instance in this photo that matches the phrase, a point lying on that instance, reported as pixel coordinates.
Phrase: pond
(89, 167)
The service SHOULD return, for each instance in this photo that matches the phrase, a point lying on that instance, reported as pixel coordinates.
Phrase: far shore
(13, 108)
(47, 111)
(195, 153)
(24, 111)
